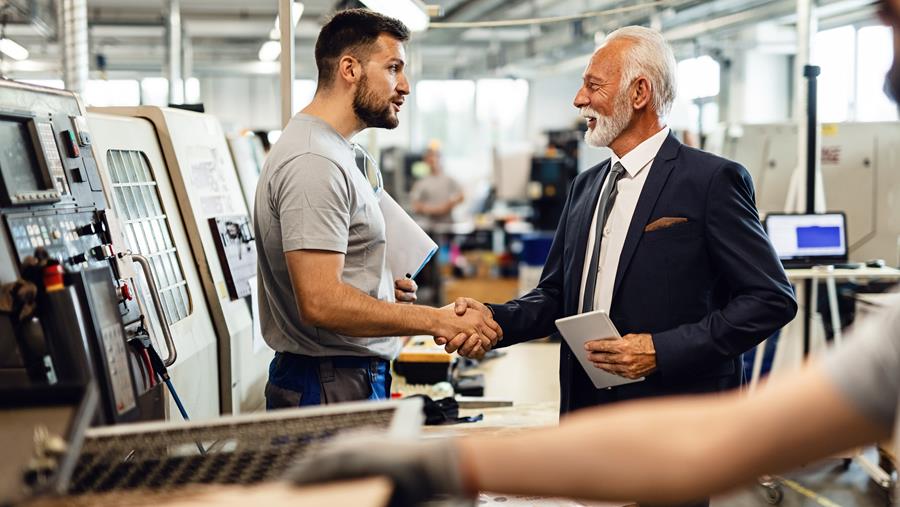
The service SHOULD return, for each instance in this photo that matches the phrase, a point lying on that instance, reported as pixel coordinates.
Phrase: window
(49, 83)
(445, 112)
(501, 104)
(873, 59)
(698, 78)
(113, 92)
(147, 228)
(304, 90)
(155, 91)
(833, 51)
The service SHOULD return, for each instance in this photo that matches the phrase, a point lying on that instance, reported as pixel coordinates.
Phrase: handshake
(467, 327)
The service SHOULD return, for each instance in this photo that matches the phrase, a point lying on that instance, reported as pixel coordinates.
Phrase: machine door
(133, 167)
(206, 183)
(848, 173)
(779, 164)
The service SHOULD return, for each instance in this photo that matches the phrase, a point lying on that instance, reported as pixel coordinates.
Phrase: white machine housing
(206, 185)
(195, 372)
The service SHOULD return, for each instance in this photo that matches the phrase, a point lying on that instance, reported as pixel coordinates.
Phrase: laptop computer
(806, 240)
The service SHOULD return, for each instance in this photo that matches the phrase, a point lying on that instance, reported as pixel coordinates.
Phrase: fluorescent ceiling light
(270, 51)
(13, 49)
(410, 12)
(296, 12)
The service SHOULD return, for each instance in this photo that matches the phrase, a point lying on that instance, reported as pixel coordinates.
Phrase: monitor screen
(18, 164)
(807, 236)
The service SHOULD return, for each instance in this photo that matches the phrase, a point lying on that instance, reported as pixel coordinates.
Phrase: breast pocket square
(664, 223)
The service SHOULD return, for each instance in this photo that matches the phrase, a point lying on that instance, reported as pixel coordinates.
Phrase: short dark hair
(352, 31)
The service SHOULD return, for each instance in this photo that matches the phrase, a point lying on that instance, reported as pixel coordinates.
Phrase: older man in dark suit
(665, 238)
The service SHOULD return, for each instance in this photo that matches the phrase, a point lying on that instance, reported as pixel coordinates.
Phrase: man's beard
(369, 109)
(608, 128)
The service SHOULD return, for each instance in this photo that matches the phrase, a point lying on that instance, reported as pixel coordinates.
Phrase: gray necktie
(607, 199)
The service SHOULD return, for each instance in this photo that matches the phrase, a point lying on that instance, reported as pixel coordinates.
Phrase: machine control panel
(72, 238)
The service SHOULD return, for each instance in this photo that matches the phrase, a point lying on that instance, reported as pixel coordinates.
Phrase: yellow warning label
(829, 129)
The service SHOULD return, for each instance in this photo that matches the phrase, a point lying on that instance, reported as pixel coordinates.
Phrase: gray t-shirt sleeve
(313, 200)
(454, 188)
(866, 367)
(417, 193)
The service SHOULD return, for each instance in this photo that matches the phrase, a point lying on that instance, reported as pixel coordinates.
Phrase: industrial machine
(859, 175)
(49, 453)
(68, 285)
(141, 191)
(548, 188)
(249, 156)
(209, 196)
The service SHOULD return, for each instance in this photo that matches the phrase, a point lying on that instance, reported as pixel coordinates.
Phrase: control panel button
(71, 144)
(87, 229)
(77, 259)
(125, 291)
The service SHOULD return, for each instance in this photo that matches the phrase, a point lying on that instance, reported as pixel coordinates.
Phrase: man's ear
(641, 92)
(349, 69)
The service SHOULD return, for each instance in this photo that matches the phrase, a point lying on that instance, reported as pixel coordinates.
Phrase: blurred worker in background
(671, 450)
(435, 195)
(327, 302)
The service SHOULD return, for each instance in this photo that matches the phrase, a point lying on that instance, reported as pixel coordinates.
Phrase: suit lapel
(656, 180)
(582, 230)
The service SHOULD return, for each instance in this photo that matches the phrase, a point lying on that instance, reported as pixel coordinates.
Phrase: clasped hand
(467, 340)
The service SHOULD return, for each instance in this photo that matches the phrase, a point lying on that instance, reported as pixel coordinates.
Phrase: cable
(544, 21)
(160, 368)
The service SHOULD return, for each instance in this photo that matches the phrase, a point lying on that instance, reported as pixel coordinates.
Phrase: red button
(126, 292)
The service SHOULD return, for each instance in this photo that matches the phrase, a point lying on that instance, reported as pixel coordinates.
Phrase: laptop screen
(808, 236)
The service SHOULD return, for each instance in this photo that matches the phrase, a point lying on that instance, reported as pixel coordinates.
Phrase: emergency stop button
(125, 291)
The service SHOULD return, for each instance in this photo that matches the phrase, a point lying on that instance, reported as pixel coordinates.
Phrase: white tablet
(584, 327)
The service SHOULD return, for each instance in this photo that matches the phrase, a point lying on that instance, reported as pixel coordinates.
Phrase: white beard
(608, 128)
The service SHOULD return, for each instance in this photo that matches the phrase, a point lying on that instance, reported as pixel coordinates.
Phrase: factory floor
(826, 484)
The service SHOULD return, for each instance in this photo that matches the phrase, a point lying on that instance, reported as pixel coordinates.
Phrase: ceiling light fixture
(13, 49)
(271, 49)
(413, 13)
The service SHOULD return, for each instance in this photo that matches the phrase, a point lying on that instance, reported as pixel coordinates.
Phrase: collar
(635, 160)
(324, 125)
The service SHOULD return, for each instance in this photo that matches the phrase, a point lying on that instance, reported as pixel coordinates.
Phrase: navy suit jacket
(707, 289)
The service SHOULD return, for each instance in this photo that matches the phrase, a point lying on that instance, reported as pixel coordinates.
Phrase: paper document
(409, 248)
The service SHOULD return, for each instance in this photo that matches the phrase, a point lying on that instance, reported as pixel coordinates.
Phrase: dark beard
(369, 112)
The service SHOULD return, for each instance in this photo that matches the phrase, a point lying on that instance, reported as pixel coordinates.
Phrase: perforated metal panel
(147, 228)
(233, 451)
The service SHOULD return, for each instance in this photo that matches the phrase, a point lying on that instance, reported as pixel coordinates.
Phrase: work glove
(420, 470)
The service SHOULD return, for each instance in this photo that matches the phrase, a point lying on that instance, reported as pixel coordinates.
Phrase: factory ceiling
(127, 37)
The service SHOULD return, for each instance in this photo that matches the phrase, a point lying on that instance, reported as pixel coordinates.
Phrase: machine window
(147, 227)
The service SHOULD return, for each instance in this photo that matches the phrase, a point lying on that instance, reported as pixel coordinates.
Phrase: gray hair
(651, 57)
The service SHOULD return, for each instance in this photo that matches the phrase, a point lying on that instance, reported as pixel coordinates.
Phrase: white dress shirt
(637, 164)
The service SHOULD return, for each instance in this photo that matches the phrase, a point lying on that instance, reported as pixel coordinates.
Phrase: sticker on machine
(212, 184)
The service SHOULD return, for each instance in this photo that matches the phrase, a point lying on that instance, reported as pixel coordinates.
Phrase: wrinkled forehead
(606, 62)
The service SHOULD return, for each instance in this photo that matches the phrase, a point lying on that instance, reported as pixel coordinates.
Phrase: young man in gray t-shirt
(328, 301)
